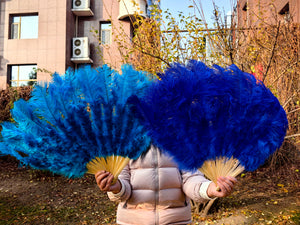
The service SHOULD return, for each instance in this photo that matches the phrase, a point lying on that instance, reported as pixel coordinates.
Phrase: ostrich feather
(75, 118)
(199, 114)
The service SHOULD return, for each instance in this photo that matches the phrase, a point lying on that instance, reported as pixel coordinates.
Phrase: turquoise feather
(76, 117)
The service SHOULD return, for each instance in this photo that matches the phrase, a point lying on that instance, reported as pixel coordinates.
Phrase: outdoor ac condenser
(81, 4)
(80, 47)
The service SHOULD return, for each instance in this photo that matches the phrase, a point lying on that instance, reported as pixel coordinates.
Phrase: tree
(161, 40)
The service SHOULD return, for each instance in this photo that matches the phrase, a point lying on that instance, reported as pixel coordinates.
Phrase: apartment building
(250, 12)
(38, 37)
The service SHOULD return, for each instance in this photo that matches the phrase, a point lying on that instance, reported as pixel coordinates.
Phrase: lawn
(34, 197)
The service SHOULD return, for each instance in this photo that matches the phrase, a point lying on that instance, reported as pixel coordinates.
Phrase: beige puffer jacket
(155, 192)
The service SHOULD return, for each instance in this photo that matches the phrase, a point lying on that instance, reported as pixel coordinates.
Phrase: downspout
(76, 33)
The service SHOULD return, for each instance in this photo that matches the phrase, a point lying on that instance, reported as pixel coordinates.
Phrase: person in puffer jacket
(153, 191)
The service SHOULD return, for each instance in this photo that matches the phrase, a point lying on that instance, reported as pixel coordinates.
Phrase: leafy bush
(8, 97)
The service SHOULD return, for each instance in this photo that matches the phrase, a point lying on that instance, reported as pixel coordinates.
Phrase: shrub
(8, 97)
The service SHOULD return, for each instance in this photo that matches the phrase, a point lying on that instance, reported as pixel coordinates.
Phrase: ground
(34, 197)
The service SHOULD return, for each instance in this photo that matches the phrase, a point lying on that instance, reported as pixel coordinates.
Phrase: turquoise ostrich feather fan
(78, 120)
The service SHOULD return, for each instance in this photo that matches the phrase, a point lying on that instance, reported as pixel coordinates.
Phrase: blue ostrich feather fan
(75, 118)
(198, 114)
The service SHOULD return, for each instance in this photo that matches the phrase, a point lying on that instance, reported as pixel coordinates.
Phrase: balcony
(129, 8)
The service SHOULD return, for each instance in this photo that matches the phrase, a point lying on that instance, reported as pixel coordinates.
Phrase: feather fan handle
(113, 164)
(221, 166)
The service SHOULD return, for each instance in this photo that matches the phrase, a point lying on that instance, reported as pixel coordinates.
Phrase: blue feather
(76, 117)
(197, 113)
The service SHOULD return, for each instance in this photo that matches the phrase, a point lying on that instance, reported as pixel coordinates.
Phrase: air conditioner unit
(81, 4)
(81, 47)
(82, 8)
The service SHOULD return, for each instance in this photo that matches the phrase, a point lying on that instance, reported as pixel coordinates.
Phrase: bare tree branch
(273, 52)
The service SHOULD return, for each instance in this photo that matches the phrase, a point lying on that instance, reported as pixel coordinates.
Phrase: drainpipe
(76, 26)
(76, 35)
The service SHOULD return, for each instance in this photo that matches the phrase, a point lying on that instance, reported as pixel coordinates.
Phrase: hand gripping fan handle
(113, 164)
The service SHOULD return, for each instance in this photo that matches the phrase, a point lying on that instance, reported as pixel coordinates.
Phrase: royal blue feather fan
(223, 120)
(81, 119)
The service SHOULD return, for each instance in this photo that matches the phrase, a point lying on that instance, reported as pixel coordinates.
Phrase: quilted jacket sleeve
(125, 192)
(195, 186)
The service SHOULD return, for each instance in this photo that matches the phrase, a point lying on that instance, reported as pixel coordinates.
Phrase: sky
(176, 6)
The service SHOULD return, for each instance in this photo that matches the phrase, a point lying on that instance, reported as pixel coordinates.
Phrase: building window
(22, 75)
(245, 8)
(23, 26)
(105, 33)
(285, 12)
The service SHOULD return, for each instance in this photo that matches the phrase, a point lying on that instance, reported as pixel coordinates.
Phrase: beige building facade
(250, 12)
(39, 37)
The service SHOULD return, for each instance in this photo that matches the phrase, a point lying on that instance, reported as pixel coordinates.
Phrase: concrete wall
(3, 61)
(48, 51)
(69, 33)
(267, 9)
(52, 50)
(105, 10)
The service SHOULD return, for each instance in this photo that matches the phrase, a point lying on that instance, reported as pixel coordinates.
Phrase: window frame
(285, 12)
(245, 7)
(11, 23)
(100, 32)
(9, 75)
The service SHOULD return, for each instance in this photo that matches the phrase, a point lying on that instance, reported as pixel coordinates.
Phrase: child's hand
(226, 187)
(104, 179)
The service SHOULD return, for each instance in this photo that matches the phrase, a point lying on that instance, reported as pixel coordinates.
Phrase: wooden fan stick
(221, 166)
(113, 164)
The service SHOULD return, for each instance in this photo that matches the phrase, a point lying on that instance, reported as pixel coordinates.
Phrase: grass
(34, 197)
